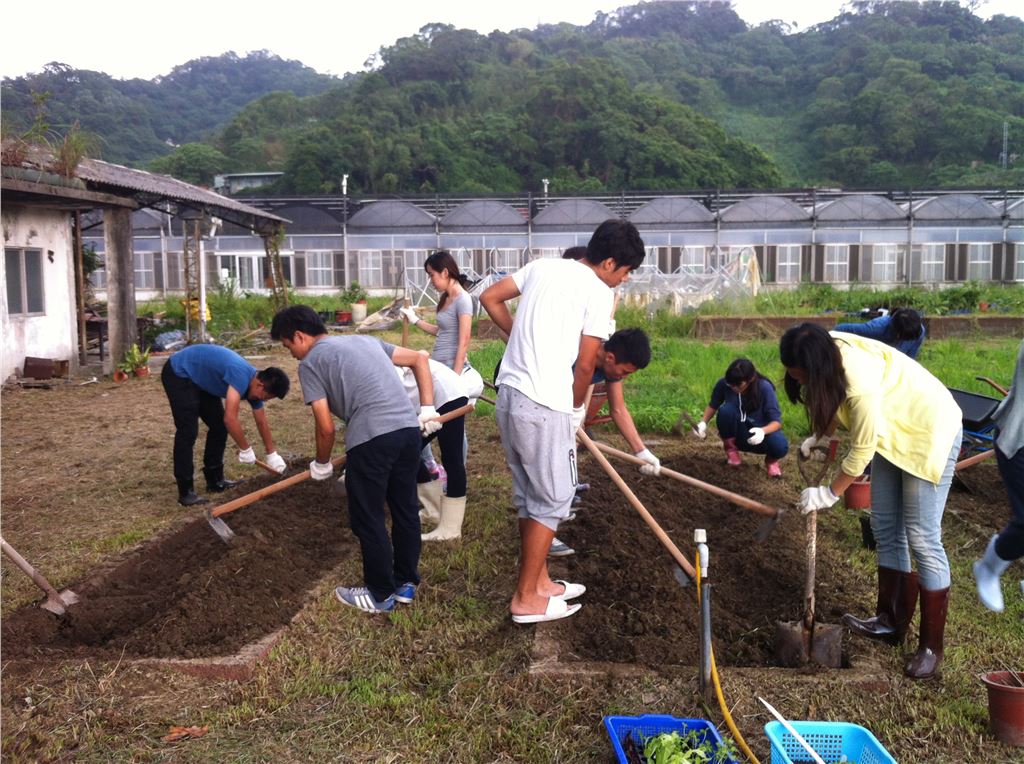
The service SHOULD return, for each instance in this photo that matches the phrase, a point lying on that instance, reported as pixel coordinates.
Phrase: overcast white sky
(134, 39)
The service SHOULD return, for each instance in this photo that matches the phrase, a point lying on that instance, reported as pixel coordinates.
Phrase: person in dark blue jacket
(749, 418)
(903, 329)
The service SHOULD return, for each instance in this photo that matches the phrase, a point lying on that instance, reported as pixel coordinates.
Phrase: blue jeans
(775, 445)
(906, 518)
(1010, 543)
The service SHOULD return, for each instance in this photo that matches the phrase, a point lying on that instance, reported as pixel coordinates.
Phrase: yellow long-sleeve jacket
(894, 407)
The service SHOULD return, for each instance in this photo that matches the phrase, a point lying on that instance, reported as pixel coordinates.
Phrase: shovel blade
(220, 528)
(795, 647)
(766, 526)
(57, 605)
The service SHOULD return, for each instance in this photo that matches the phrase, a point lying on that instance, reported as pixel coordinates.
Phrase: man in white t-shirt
(561, 321)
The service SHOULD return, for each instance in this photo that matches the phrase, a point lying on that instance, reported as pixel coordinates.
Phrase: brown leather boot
(897, 600)
(925, 662)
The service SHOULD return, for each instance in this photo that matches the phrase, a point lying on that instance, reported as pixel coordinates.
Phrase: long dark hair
(442, 260)
(741, 370)
(809, 347)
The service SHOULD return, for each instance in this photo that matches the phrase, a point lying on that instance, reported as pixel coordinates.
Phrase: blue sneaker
(405, 593)
(360, 597)
(560, 549)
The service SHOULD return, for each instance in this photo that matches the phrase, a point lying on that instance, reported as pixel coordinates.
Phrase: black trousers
(189, 404)
(450, 438)
(384, 470)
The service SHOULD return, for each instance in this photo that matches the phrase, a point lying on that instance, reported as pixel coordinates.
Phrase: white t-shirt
(561, 300)
(447, 384)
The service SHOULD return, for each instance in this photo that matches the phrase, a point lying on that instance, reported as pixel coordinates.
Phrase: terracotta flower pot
(1005, 706)
(858, 495)
(120, 375)
(141, 371)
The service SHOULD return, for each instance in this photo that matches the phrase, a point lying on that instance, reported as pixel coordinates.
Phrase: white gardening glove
(702, 429)
(410, 315)
(319, 471)
(813, 499)
(809, 443)
(578, 415)
(248, 456)
(653, 466)
(611, 326)
(275, 462)
(428, 427)
(756, 436)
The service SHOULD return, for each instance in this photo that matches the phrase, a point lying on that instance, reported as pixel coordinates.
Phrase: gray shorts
(540, 449)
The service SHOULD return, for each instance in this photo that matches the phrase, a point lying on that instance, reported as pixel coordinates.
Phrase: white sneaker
(560, 549)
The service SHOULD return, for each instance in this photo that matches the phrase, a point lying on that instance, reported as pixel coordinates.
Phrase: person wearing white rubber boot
(451, 391)
(1007, 545)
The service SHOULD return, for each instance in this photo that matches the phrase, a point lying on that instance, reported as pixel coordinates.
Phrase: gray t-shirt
(447, 343)
(356, 376)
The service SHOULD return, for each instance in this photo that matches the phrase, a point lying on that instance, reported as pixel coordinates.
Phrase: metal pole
(201, 255)
(80, 290)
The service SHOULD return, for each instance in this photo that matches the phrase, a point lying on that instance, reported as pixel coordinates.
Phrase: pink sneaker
(732, 454)
(774, 470)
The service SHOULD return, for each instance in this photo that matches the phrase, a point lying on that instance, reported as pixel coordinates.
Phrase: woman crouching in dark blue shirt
(749, 418)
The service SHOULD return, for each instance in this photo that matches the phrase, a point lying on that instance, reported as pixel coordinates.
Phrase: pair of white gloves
(756, 433)
(274, 460)
(818, 497)
(428, 425)
(653, 465)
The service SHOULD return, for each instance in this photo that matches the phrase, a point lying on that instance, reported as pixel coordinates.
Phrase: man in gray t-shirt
(354, 379)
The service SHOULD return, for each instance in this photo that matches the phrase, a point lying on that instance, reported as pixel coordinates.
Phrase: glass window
(979, 262)
(319, 269)
(24, 273)
(885, 263)
(175, 272)
(691, 259)
(144, 276)
(933, 262)
(506, 260)
(246, 272)
(787, 266)
(1019, 271)
(370, 270)
(837, 263)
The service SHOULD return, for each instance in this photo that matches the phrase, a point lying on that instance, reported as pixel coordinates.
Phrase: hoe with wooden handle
(55, 601)
(771, 514)
(213, 516)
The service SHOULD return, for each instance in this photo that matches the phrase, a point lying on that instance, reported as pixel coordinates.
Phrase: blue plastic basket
(654, 724)
(830, 740)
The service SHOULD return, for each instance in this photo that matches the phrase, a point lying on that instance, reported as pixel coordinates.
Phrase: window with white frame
(979, 262)
(885, 260)
(933, 262)
(1018, 273)
(24, 272)
(370, 271)
(787, 264)
(552, 252)
(145, 278)
(692, 259)
(246, 272)
(319, 269)
(506, 260)
(837, 263)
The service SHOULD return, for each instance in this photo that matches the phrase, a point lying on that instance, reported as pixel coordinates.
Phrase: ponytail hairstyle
(442, 261)
(742, 370)
(906, 324)
(809, 347)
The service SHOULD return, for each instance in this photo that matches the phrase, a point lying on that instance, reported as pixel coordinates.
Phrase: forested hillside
(137, 120)
(665, 95)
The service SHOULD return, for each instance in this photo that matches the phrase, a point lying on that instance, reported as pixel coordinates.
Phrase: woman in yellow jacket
(904, 422)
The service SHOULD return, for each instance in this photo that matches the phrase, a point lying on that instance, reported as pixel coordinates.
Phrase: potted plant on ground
(136, 360)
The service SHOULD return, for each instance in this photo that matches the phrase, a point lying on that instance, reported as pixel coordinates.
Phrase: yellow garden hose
(718, 692)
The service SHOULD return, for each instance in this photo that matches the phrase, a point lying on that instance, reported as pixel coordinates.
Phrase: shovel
(771, 514)
(56, 601)
(800, 642)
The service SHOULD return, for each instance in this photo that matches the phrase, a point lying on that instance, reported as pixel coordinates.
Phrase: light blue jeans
(906, 518)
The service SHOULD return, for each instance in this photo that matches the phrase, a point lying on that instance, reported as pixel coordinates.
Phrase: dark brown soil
(188, 594)
(636, 612)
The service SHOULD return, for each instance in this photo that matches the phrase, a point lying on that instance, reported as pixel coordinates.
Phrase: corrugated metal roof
(861, 207)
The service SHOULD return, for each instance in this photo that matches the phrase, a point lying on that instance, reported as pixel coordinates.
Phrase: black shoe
(191, 498)
(222, 485)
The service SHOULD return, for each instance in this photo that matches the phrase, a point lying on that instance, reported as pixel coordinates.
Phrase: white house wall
(54, 334)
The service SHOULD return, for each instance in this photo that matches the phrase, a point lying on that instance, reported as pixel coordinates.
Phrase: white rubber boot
(430, 497)
(987, 571)
(450, 527)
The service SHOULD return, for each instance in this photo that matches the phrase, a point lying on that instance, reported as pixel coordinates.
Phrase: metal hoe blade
(220, 528)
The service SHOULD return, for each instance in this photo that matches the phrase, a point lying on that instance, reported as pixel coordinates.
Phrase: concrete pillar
(121, 325)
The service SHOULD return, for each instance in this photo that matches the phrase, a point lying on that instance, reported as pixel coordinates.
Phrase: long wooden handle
(663, 537)
(29, 571)
(267, 467)
(735, 498)
(812, 558)
(405, 325)
(280, 485)
(970, 461)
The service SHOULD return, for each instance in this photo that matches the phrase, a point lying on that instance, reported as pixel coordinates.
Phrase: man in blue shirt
(902, 329)
(196, 379)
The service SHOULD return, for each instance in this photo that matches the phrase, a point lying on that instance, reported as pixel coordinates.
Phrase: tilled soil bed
(187, 594)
